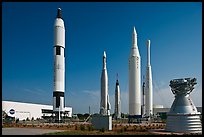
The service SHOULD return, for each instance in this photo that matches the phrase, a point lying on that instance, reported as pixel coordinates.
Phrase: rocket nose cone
(59, 13)
(134, 30)
(117, 82)
(104, 54)
(148, 42)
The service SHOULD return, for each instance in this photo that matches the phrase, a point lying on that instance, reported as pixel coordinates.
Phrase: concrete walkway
(27, 131)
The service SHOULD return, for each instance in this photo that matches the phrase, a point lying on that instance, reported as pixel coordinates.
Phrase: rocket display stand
(102, 122)
(183, 115)
(134, 118)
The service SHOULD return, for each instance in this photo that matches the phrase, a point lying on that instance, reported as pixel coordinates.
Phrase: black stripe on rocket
(58, 50)
(58, 94)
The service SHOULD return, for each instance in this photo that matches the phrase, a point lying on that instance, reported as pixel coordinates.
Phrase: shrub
(102, 129)
(125, 128)
(82, 127)
(90, 127)
(76, 127)
(134, 128)
(122, 130)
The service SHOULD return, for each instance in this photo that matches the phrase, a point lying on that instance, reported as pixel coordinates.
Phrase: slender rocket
(59, 64)
(148, 87)
(117, 101)
(105, 104)
(134, 78)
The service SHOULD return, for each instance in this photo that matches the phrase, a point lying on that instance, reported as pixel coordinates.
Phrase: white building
(29, 110)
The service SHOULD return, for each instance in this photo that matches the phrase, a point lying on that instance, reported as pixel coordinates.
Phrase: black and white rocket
(134, 78)
(148, 86)
(59, 64)
(117, 101)
(105, 104)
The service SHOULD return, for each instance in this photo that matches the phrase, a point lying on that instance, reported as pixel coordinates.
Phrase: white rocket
(148, 87)
(134, 78)
(105, 104)
(117, 101)
(59, 64)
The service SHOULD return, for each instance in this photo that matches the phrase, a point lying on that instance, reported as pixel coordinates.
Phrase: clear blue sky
(175, 31)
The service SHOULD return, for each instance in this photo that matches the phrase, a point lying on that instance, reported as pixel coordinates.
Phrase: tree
(32, 119)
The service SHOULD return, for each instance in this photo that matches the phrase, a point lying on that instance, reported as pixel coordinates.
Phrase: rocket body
(104, 88)
(134, 78)
(59, 64)
(148, 87)
(105, 104)
(117, 101)
(108, 106)
(143, 95)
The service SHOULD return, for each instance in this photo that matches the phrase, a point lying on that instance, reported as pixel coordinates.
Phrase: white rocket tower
(117, 101)
(134, 78)
(59, 64)
(148, 87)
(105, 104)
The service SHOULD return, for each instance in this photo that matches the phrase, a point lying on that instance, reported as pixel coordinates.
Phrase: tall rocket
(148, 87)
(105, 104)
(117, 101)
(59, 64)
(134, 78)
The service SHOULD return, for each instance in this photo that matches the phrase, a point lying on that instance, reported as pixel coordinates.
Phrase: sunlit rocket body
(148, 87)
(117, 101)
(134, 78)
(59, 64)
(105, 104)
